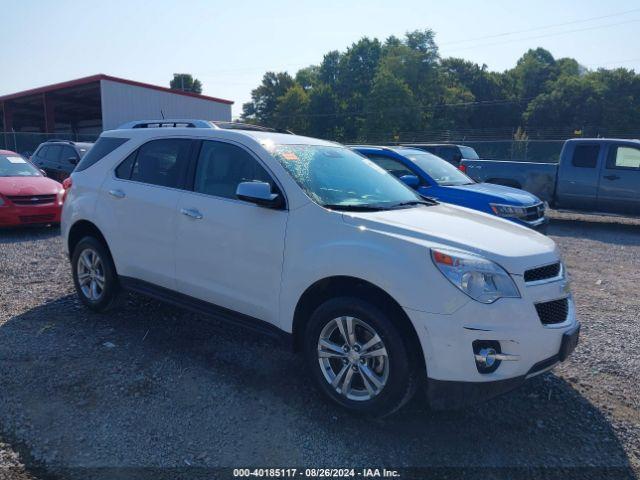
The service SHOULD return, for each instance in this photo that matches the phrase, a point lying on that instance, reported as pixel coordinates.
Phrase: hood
(14, 186)
(500, 193)
(514, 247)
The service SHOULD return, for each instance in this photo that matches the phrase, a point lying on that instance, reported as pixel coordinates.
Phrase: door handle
(191, 213)
(117, 193)
(611, 177)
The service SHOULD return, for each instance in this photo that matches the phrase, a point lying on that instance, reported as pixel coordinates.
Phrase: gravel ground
(154, 386)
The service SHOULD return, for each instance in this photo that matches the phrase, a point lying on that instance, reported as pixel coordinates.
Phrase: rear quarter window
(103, 147)
(585, 156)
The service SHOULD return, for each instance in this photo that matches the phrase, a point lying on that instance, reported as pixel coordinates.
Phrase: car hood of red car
(19, 186)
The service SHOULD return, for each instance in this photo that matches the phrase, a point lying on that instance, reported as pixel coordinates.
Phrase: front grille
(553, 312)
(32, 199)
(542, 273)
(534, 212)
(37, 218)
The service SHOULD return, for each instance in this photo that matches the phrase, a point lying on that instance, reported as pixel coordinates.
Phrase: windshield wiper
(355, 208)
(427, 201)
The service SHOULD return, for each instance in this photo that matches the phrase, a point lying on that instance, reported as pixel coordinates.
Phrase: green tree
(329, 68)
(496, 108)
(293, 109)
(308, 77)
(264, 99)
(620, 90)
(186, 83)
(391, 108)
(324, 113)
(373, 91)
(572, 102)
(533, 71)
(415, 60)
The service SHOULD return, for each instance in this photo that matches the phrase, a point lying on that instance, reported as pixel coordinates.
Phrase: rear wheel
(358, 357)
(94, 275)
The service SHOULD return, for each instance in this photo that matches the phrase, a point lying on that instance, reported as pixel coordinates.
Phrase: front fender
(320, 245)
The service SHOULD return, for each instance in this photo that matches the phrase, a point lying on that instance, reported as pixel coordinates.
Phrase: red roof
(101, 76)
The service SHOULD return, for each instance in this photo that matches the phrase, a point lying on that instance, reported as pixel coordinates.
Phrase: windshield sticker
(16, 160)
(289, 156)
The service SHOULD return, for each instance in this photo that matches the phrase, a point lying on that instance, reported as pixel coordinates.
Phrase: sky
(230, 45)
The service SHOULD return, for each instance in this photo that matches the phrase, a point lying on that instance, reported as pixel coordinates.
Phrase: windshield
(469, 153)
(336, 177)
(16, 166)
(442, 172)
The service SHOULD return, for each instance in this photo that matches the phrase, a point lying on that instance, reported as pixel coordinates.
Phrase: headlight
(481, 279)
(508, 211)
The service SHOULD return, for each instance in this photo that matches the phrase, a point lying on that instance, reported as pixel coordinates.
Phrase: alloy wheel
(353, 358)
(91, 277)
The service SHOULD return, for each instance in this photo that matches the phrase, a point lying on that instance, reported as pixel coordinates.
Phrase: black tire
(401, 379)
(111, 294)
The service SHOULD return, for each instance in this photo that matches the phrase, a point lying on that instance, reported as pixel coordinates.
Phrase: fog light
(485, 352)
(488, 355)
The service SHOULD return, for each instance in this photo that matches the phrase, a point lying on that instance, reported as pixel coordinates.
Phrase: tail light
(66, 185)
(462, 167)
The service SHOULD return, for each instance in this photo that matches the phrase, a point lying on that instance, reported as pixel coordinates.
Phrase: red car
(27, 197)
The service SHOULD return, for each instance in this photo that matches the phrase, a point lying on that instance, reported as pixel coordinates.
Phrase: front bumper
(447, 341)
(15, 216)
(539, 225)
(447, 395)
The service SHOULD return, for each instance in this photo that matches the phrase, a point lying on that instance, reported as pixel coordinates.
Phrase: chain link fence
(547, 151)
(529, 150)
(544, 151)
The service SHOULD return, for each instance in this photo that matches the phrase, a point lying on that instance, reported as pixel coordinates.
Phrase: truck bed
(536, 178)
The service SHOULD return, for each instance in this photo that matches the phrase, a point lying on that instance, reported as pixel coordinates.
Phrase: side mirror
(72, 160)
(258, 193)
(44, 174)
(411, 180)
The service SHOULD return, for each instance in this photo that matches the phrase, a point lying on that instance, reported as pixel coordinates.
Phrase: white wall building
(92, 104)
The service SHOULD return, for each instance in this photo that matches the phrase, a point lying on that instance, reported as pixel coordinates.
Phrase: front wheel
(358, 357)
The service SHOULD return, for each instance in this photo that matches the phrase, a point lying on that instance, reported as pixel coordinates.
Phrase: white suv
(379, 288)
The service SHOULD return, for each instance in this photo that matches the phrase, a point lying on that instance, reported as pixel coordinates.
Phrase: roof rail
(167, 123)
(194, 123)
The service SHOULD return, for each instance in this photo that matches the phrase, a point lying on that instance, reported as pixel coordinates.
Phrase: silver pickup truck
(593, 175)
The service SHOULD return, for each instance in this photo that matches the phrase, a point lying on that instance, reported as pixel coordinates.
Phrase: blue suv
(434, 177)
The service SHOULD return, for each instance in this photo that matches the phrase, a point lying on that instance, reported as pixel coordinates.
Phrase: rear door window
(162, 162)
(585, 156)
(52, 154)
